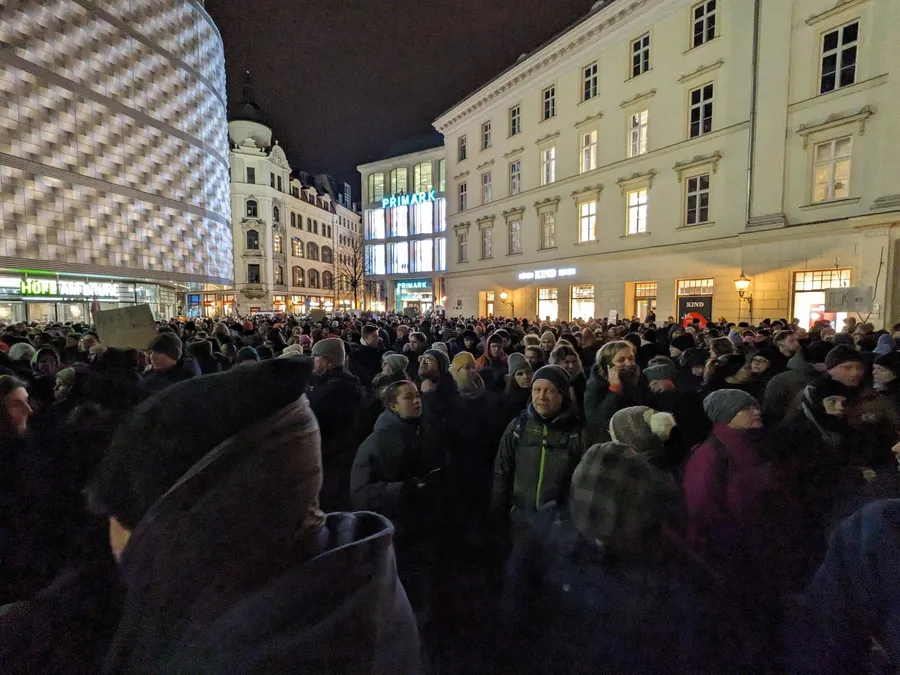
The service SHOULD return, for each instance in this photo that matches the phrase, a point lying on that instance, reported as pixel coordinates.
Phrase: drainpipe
(754, 84)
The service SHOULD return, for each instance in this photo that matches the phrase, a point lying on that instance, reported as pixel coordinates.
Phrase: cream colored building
(658, 150)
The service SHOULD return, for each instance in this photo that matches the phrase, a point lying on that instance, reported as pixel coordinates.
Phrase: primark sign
(409, 200)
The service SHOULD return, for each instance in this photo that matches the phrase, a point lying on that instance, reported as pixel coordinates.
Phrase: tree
(353, 270)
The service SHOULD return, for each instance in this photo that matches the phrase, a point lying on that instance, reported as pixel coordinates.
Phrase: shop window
(314, 278)
(297, 249)
(440, 254)
(399, 221)
(312, 251)
(375, 224)
(441, 215)
(252, 240)
(808, 298)
(582, 302)
(548, 304)
(298, 276)
(489, 302)
(423, 218)
(327, 255)
(253, 274)
(375, 259)
(399, 255)
(252, 208)
(645, 293)
(422, 255)
(328, 281)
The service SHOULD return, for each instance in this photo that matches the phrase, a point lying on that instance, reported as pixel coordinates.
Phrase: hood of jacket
(390, 422)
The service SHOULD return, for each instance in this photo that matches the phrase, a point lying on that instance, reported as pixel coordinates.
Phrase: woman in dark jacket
(732, 371)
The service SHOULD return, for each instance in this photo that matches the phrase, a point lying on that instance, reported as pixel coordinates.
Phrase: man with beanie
(886, 376)
(434, 365)
(844, 364)
(167, 365)
(335, 396)
(465, 374)
(246, 356)
(365, 359)
(393, 364)
(232, 462)
(538, 453)
(781, 398)
(680, 344)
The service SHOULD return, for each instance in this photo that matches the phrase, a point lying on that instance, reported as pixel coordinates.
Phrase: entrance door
(643, 307)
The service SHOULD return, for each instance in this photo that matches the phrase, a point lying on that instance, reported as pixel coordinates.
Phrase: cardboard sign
(126, 327)
(858, 299)
(613, 315)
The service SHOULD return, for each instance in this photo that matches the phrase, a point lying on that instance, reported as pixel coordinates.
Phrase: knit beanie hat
(641, 428)
(246, 354)
(442, 359)
(331, 349)
(557, 375)
(460, 361)
(841, 354)
(683, 342)
(168, 344)
(662, 371)
(817, 352)
(721, 406)
(891, 361)
(291, 350)
(21, 351)
(305, 340)
(531, 340)
(517, 362)
(843, 339)
(885, 344)
(547, 335)
(442, 347)
(396, 363)
(694, 357)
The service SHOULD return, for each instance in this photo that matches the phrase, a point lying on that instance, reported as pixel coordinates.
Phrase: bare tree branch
(352, 272)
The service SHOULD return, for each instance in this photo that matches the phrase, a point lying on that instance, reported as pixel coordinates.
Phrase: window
(548, 304)
(839, 57)
(442, 215)
(375, 259)
(253, 240)
(515, 177)
(831, 174)
(327, 255)
(701, 110)
(440, 254)
(298, 276)
(293, 219)
(442, 175)
(704, 22)
(251, 174)
(375, 187)
(487, 243)
(486, 187)
(276, 244)
(399, 255)
(691, 287)
(645, 298)
(398, 181)
(549, 98)
(276, 214)
(279, 275)
(588, 151)
(640, 55)
(587, 230)
(515, 120)
(590, 82)
(279, 184)
(637, 211)
(271, 180)
(486, 135)
(515, 237)
(462, 252)
(548, 230)
(295, 192)
(582, 302)
(489, 301)
(252, 208)
(315, 224)
(638, 141)
(375, 224)
(399, 221)
(313, 278)
(808, 297)
(296, 247)
(461, 149)
(309, 224)
(252, 274)
(312, 251)
(328, 281)
(422, 255)
(423, 218)
(422, 177)
(463, 202)
(548, 166)
(697, 203)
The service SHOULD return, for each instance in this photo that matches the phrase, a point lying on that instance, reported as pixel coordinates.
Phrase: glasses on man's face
(427, 359)
(760, 360)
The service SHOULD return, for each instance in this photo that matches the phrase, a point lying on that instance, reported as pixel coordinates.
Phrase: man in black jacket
(365, 360)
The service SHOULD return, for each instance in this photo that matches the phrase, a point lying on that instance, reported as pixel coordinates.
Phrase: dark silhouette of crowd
(380, 493)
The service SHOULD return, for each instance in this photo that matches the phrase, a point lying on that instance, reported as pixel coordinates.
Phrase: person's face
(428, 367)
(72, 341)
(656, 386)
(523, 378)
(160, 361)
(534, 357)
(495, 348)
(759, 365)
(320, 364)
(882, 375)
(61, 390)
(834, 405)
(87, 342)
(572, 364)
(371, 339)
(416, 345)
(469, 342)
(408, 405)
(748, 418)
(850, 373)
(546, 398)
(18, 410)
(623, 359)
(547, 344)
(47, 364)
(697, 371)
(790, 345)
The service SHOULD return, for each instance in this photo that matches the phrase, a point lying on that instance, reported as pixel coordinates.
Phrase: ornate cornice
(461, 175)
(515, 151)
(886, 202)
(838, 7)
(485, 165)
(548, 204)
(587, 193)
(485, 221)
(701, 71)
(549, 137)
(637, 180)
(639, 98)
(462, 226)
(512, 214)
(564, 45)
(697, 161)
(837, 120)
(589, 118)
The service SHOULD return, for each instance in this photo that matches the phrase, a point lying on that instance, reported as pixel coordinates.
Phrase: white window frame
(487, 243)
(588, 150)
(839, 53)
(701, 107)
(578, 297)
(548, 103)
(515, 236)
(462, 152)
(462, 247)
(590, 81)
(638, 132)
(637, 212)
(486, 188)
(486, 135)
(703, 17)
(830, 164)
(463, 195)
(398, 187)
(548, 230)
(587, 221)
(376, 187)
(515, 177)
(693, 188)
(548, 165)
(639, 47)
(515, 120)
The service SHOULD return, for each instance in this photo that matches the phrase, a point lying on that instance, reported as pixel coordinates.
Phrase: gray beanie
(641, 428)
(21, 351)
(517, 362)
(442, 359)
(721, 406)
(442, 347)
(331, 349)
(396, 363)
(663, 371)
(555, 374)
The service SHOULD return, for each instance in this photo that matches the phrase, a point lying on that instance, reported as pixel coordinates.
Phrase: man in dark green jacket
(538, 452)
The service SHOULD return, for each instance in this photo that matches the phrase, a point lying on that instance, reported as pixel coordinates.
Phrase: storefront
(52, 298)
(645, 293)
(808, 296)
(695, 299)
(415, 293)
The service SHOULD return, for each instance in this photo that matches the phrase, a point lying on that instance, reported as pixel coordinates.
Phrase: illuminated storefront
(416, 293)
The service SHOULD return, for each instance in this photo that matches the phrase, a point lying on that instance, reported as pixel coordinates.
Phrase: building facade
(659, 150)
(113, 157)
(405, 225)
(285, 225)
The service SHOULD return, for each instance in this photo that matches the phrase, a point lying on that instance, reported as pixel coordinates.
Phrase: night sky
(343, 80)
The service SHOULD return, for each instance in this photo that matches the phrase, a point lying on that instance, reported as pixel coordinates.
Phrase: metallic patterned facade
(114, 140)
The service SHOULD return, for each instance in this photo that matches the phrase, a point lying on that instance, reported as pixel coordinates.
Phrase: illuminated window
(582, 301)
(279, 275)
(692, 287)
(831, 173)
(276, 243)
(375, 259)
(638, 139)
(297, 248)
(422, 255)
(442, 175)
(548, 303)
(588, 151)
(637, 211)
(441, 215)
(398, 225)
(423, 218)
(548, 166)
(398, 181)
(587, 230)
(422, 177)
(399, 255)
(375, 228)
(376, 186)
(440, 254)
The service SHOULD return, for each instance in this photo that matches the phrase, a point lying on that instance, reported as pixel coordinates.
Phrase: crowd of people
(393, 494)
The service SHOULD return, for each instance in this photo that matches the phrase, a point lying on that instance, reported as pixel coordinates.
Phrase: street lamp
(504, 298)
(742, 285)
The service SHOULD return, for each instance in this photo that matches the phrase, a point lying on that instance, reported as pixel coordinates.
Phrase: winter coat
(779, 399)
(154, 381)
(365, 363)
(534, 465)
(600, 404)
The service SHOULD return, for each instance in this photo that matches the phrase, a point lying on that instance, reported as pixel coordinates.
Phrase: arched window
(276, 244)
(297, 247)
(252, 239)
(327, 254)
(312, 251)
(299, 276)
(314, 278)
(276, 215)
(328, 280)
(279, 275)
(293, 219)
(252, 208)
